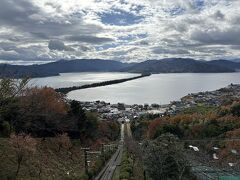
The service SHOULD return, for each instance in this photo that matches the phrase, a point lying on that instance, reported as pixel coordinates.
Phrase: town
(121, 111)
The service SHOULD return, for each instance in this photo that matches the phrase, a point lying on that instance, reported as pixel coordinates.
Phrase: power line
(213, 140)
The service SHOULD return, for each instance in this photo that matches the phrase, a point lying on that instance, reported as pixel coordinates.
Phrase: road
(109, 169)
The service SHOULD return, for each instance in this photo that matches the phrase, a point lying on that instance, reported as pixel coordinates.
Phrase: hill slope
(173, 65)
(176, 65)
(225, 63)
(62, 66)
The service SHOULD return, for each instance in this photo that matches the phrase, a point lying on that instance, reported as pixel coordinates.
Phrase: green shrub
(126, 169)
(124, 175)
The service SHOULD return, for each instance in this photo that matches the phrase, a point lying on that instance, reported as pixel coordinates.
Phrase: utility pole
(86, 159)
(102, 152)
(144, 175)
(102, 148)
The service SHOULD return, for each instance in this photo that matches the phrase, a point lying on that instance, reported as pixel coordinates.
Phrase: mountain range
(180, 65)
(171, 65)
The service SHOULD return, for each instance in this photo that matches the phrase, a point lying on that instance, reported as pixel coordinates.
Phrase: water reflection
(158, 88)
(77, 79)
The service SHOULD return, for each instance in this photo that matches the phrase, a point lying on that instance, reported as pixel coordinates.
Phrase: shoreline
(209, 99)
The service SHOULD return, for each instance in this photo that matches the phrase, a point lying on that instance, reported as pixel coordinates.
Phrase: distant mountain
(180, 65)
(172, 65)
(62, 66)
(235, 60)
(226, 64)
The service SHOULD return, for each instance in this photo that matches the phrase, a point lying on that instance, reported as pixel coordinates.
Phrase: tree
(164, 158)
(10, 90)
(235, 110)
(63, 141)
(41, 109)
(79, 114)
(76, 109)
(91, 125)
(44, 100)
(86, 121)
(168, 128)
(109, 130)
(6, 129)
(24, 146)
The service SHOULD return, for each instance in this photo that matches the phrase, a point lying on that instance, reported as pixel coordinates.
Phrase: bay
(157, 88)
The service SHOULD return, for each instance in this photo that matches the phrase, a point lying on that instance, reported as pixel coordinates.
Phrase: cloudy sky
(38, 31)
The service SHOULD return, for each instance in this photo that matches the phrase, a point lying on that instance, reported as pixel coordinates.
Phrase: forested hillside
(199, 142)
(42, 134)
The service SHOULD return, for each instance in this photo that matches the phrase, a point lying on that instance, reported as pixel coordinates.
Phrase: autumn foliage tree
(235, 109)
(41, 109)
(217, 129)
(46, 100)
(209, 124)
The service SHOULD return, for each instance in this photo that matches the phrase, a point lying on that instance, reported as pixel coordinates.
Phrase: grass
(126, 169)
(116, 173)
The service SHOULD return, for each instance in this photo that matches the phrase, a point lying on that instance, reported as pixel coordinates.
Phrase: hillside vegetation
(42, 133)
(204, 127)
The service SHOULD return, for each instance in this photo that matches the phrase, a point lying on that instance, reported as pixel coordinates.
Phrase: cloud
(160, 50)
(58, 45)
(228, 36)
(90, 39)
(218, 15)
(14, 12)
(49, 30)
(9, 55)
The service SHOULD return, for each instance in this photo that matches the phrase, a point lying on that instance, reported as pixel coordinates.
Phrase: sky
(41, 31)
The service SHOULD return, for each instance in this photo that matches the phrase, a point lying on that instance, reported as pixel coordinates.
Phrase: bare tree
(63, 142)
(24, 146)
(10, 88)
